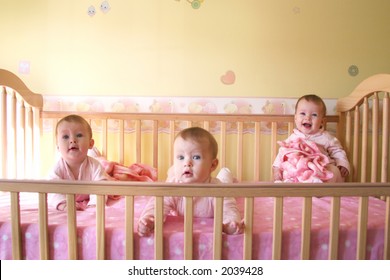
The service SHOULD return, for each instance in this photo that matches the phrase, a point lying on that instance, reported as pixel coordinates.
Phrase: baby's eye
(65, 137)
(79, 135)
(196, 157)
(315, 115)
(180, 157)
(302, 113)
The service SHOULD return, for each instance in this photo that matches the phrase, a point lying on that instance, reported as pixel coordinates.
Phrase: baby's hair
(75, 119)
(312, 98)
(198, 134)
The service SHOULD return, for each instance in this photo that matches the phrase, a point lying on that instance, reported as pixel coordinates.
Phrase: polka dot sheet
(232, 245)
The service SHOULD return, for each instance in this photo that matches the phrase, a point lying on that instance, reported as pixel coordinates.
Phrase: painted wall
(279, 48)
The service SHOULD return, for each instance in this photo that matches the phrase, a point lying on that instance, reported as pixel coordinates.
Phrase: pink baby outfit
(203, 207)
(90, 170)
(322, 142)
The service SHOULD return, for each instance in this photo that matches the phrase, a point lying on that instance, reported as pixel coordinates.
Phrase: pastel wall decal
(105, 7)
(91, 11)
(195, 4)
(353, 70)
(228, 78)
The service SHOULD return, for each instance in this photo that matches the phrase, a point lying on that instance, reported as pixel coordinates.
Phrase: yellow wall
(278, 48)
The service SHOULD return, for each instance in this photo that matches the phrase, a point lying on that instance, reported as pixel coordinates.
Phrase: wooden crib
(282, 221)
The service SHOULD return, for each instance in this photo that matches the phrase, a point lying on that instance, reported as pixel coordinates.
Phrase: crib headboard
(364, 129)
(19, 126)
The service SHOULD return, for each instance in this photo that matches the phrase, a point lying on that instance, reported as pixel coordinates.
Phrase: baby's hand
(79, 206)
(343, 171)
(146, 225)
(233, 227)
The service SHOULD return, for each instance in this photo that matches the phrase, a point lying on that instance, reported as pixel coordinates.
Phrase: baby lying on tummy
(195, 158)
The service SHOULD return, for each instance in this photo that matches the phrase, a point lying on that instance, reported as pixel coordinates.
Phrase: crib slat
(291, 126)
(14, 139)
(171, 141)
(206, 125)
(375, 137)
(188, 228)
(72, 226)
(4, 132)
(105, 137)
(348, 142)
(158, 228)
(29, 144)
(100, 227)
(20, 144)
(155, 144)
(16, 230)
(306, 228)
(356, 138)
(222, 148)
(277, 229)
(362, 228)
(385, 135)
(37, 123)
(334, 228)
(386, 251)
(217, 238)
(274, 146)
(363, 168)
(248, 220)
(256, 165)
(121, 141)
(129, 227)
(43, 227)
(239, 150)
(138, 141)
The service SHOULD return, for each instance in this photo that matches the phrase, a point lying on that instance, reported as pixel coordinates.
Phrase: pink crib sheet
(203, 231)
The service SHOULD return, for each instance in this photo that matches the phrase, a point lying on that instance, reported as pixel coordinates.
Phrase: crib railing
(159, 190)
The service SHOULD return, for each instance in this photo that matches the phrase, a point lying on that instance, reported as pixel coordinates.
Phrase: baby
(310, 113)
(195, 158)
(74, 139)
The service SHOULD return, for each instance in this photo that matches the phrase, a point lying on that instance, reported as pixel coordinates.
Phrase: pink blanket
(135, 172)
(302, 161)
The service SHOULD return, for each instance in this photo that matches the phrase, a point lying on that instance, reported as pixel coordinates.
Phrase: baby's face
(193, 162)
(73, 142)
(309, 117)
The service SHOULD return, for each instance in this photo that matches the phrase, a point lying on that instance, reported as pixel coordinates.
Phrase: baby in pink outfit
(74, 139)
(331, 165)
(195, 158)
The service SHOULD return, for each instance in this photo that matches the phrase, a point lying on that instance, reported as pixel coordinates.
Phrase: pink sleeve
(169, 206)
(337, 153)
(230, 211)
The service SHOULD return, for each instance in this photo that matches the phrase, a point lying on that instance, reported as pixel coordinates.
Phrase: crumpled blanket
(119, 172)
(302, 161)
(135, 172)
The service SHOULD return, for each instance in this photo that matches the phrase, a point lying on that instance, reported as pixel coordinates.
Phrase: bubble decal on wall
(195, 4)
(353, 70)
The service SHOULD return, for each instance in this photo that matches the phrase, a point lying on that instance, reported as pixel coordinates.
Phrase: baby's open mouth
(307, 125)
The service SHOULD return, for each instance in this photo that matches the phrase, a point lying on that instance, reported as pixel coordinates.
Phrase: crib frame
(353, 129)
